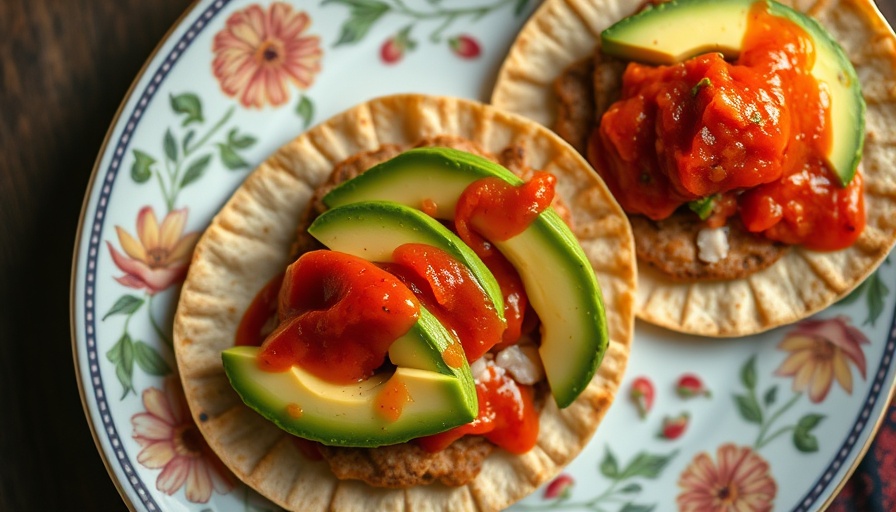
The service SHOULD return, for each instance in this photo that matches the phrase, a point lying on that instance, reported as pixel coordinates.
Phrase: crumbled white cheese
(523, 363)
(712, 244)
(478, 367)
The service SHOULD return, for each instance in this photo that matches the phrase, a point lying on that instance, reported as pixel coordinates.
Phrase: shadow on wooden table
(65, 67)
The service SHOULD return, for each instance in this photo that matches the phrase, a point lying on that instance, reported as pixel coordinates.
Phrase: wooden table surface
(65, 66)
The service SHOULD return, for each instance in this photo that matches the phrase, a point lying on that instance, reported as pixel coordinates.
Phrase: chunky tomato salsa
(747, 137)
(335, 315)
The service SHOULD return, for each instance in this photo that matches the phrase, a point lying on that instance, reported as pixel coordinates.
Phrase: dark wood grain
(65, 66)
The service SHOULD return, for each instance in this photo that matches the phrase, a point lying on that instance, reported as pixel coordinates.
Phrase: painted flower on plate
(159, 255)
(261, 51)
(171, 442)
(821, 351)
(739, 480)
(560, 487)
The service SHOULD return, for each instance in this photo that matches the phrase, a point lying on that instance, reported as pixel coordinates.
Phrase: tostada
(423, 303)
(748, 141)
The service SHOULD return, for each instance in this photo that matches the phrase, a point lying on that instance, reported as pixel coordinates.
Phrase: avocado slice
(438, 396)
(373, 229)
(665, 34)
(557, 275)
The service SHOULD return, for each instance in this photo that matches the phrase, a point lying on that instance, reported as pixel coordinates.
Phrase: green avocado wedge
(665, 34)
(373, 229)
(556, 273)
(439, 396)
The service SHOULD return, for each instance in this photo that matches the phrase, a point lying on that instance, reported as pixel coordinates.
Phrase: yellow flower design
(739, 480)
(158, 256)
(820, 352)
(172, 442)
(261, 51)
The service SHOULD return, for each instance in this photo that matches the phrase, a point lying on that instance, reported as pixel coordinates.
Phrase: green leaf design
(122, 356)
(189, 105)
(114, 353)
(748, 373)
(809, 421)
(520, 7)
(646, 465)
(170, 146)
(230, 158)
(770, 396)
(305, 110)
(184, 146)
(877, 293)
(141, 171)
(195, 170)
(855, 294)
(363, 14)
(238, 141)
(609, 467)
(631, 488)
(634, 507)
(125, 305)
(803, 438)
(149, 360)
(749, 408)
(403, 38)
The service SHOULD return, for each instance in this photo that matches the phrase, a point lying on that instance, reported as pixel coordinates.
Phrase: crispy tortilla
(564, 32)
(249, 241)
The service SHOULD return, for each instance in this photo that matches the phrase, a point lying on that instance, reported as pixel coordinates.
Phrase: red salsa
(338, 316)
(507, 415)
(756, 129)
(496, 210)
(335, 315)
(260, 317)
(492, 209)
(450, 292)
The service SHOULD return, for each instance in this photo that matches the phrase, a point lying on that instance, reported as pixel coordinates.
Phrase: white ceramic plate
(781, 425)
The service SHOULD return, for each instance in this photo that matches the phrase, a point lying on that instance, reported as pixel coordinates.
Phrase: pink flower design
(674, 426)
(261, 51)
(642, 393)
(465, 46)
(738, 481)
(560, 487)
(391, 51)
(172, 442)
(690, 385)
(821, 351)
(394, 48)
(159, 256)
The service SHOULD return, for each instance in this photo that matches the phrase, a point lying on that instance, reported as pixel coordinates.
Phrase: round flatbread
(802, 282)
(249, 240)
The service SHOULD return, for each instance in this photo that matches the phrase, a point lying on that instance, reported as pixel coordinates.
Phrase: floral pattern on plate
(202, 115)
(364, 14)
(817, 353)
(171, 442)
(709, 422)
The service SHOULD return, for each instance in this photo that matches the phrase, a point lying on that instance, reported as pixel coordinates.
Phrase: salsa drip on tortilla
(335, 315)
(741, 139)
